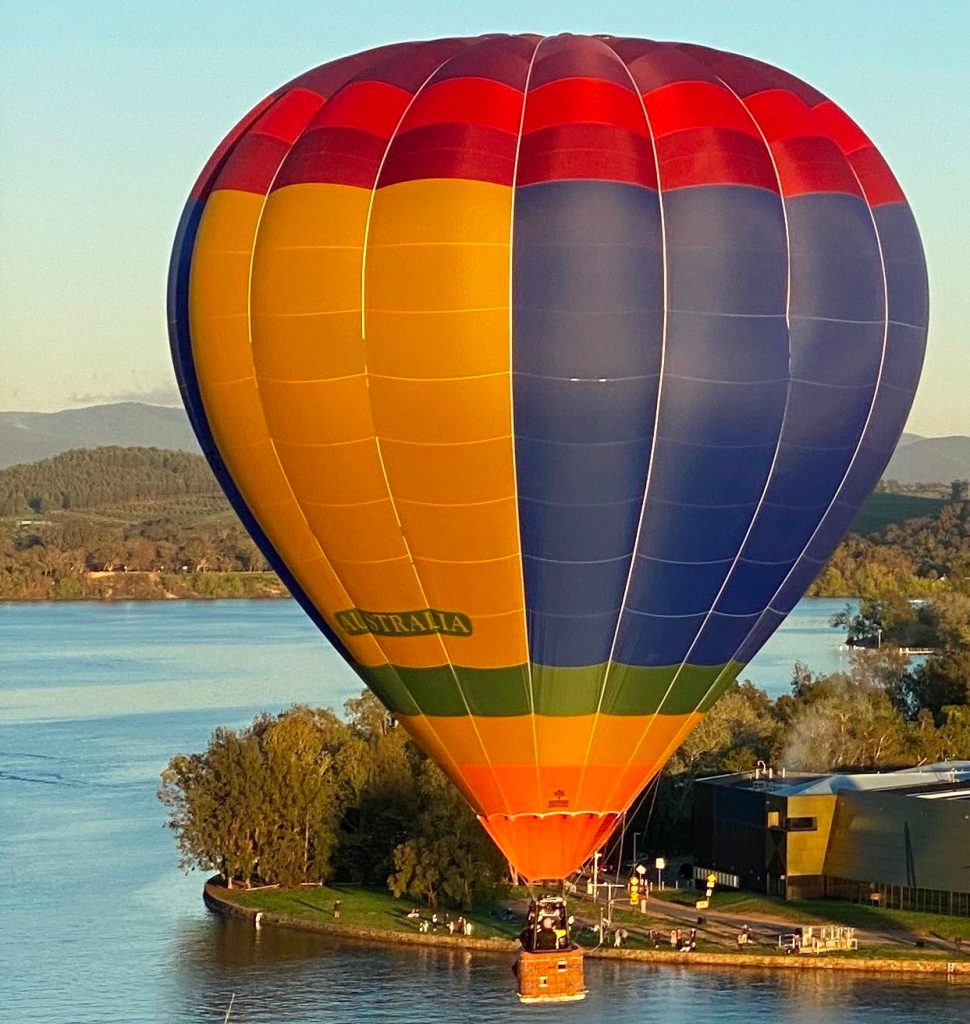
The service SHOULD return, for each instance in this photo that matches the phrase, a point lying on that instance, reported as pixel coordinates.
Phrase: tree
(940, 681)
(739, 730)
(449, 854)
(215, 806)
(262, 802)
(954, 734)
(847, 719)
(958, 490)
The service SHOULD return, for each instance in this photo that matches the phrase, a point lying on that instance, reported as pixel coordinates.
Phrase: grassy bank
(368, 908)
(375, 915)
(904, 923)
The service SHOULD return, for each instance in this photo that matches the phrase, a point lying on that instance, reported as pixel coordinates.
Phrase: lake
(98, 925)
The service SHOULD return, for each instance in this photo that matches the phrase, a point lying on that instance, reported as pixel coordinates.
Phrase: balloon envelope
(548, 372)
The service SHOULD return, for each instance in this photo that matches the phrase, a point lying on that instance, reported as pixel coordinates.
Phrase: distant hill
(30, 436)
(882, 510)
(929, 459)
(909, 439)
(128, 524)
(110, 478)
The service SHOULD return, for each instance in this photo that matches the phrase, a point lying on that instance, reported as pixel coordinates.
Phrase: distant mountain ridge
(927, 459)
(31, 436)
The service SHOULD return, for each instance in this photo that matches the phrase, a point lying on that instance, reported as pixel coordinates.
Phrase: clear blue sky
(109, 109)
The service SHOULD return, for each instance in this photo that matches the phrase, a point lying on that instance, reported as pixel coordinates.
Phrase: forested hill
(29, 436)
(123, 523)
(912, 557)
(94, 478)
(149, 522)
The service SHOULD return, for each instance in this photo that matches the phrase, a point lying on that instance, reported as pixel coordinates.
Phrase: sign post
(706, 902)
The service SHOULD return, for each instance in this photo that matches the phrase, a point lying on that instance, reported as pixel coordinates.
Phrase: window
(774, 819)
(801, 824)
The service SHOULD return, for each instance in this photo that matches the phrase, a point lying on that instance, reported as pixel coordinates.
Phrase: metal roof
(944, 780)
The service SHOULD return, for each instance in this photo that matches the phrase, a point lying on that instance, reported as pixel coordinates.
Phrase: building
(896, 839)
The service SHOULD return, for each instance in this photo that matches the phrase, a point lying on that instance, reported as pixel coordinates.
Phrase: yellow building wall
(806, 850)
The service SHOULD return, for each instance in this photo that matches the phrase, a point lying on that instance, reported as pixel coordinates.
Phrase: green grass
(368, 908)
(376, 908)
(907, 922)
(726, 900)
(875, 919)
(882, 510)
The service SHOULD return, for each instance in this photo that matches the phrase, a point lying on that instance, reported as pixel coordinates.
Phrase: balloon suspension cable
(651, 789)
(619, 855)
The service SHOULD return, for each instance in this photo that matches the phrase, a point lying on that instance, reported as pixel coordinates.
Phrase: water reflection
(280, 976)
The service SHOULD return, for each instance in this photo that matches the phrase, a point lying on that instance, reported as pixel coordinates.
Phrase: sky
(109, 109)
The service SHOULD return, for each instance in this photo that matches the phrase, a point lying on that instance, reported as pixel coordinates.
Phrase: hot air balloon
(547, 372)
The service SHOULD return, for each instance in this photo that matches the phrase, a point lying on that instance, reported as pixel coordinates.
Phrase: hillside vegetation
(29, 436)
(123, 523)
(104, 478)
(913, 558)
(149, 522)
(884, 509)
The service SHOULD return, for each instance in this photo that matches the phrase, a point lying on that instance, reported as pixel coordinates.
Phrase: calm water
(97, 925)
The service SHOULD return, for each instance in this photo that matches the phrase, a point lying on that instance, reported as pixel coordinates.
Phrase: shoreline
(214, 897)
(264, 595)
(149, 587)
(146, 599)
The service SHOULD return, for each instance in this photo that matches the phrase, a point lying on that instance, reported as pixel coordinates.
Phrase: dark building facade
(898, 839)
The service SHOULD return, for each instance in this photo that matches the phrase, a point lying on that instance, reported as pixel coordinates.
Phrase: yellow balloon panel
(348, 474)
(441, 531)
(440, 212)
(474, 588)
(458, 411)
(219, 288)
(357, 533)
(496, 642)
(289, 347)
(464, 343)
(318, 412)
(445, 474)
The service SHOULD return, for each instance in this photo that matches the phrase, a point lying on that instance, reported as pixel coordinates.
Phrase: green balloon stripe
(501, 692)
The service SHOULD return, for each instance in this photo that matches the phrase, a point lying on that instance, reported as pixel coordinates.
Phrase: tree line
(123, 511)
(921, 557)
(305, 796)
(155, 557)
(955, 490)
(145, 510)
(91, 478)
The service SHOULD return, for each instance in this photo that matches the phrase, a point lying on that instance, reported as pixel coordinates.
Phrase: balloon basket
(553, 976)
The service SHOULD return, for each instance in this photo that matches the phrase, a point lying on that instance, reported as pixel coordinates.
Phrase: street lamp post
(596, 861)
(636, 836)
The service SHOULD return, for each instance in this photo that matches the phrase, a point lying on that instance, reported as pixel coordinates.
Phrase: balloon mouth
(549, 846)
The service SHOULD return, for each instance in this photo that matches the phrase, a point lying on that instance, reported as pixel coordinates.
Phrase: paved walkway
(722, 926)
